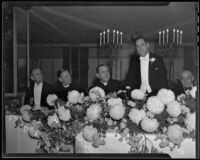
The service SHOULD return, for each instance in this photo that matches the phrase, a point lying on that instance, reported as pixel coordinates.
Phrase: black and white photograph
(101, 79)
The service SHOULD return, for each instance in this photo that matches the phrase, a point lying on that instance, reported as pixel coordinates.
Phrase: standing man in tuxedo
(64, 84)
(185, 84)
(146, 70)
(104, 80)
(38, 91)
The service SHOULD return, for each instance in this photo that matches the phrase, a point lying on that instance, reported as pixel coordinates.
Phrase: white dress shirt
(37, 93)
(105, 83)
(144, 70)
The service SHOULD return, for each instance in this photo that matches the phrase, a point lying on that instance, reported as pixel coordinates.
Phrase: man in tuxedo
(38, 91)
(64, 84)
(146, 70)
(104, 81)
(185, 84)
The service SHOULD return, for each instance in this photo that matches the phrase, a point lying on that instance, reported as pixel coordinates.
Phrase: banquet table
(18, 141)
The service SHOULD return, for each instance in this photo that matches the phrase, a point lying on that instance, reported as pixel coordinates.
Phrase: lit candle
(100, 38)
(163, 37)
(181, 36)
(104, 37)
(177, 36)
(121, 37)
(159, 37)
(167, 36)
(117, 37)
(113, 36)
(174, 35)
(108, 35)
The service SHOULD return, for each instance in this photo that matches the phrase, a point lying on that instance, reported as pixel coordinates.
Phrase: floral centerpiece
(128, 113)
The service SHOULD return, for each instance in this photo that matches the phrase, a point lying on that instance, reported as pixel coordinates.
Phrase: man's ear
(97, 75)
(148, 44)
(32, 78)
(60, 79)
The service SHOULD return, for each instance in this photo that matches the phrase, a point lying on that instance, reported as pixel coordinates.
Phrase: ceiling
(82, 24)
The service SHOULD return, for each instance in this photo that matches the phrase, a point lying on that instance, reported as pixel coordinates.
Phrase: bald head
(187, 78)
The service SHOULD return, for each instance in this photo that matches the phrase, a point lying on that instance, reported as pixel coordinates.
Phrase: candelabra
(109, 45)
(169, 42)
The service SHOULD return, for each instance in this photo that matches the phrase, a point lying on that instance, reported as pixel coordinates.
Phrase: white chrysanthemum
(114, 101)
(51, 99)
(136, 115)
(149, 125)
(174, 109)
(154, 105)
(75, 97)
(64, 114)
(53, 120)
(117, 111)
(137, 94)
(175, 134)
(93, 112)
(25, 108)
(89, 132)
(131, 103)
(190, 121)
(166, 96)
(96, 93)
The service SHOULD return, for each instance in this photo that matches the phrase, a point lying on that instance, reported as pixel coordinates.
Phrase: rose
(96, 93)
(34, 129)
(26, 116)
(51, 98)
(137, 94)
(136, 115)
(89, 132)
(53, 121)
(165, 96)
(75, 97)
(149, 125)
(131, 103)
(25, 108)
(175, 134)
(93, 112)
(64, 114)
(174, 109)
(117, 111)
(154, 105)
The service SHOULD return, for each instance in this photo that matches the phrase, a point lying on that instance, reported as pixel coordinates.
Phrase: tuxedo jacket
(62, 92)
(112, 85)
(46, 90)
(157, 73)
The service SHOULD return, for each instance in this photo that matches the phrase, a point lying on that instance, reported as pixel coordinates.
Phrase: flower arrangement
(131, 116)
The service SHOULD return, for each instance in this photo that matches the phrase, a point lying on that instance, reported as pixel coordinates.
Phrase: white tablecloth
(187, 149)
(17, 139)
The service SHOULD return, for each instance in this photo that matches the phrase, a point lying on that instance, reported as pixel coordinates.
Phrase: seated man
(104, 81)
(38, 91)
(64, 84)
(185, 84)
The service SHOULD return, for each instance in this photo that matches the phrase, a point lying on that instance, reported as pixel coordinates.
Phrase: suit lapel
(150, 68)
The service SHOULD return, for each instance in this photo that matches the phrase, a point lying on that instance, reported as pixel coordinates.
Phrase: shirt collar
(146, 57)
(38, 85)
